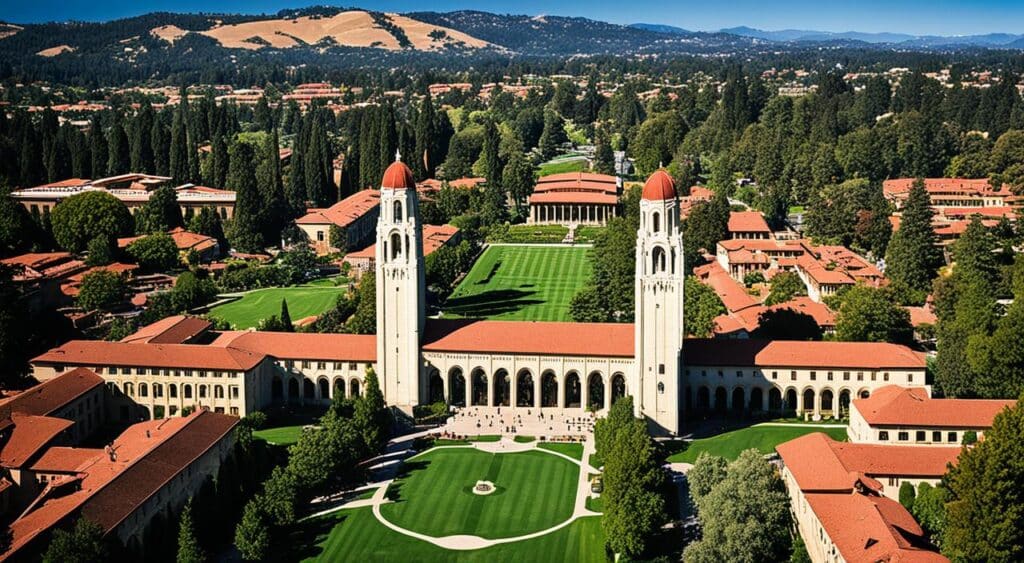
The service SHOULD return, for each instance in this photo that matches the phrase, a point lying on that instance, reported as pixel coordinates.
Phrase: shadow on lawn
(304, 538)
(491, 303)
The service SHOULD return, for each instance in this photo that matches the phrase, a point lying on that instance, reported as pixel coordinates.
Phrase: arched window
(186, 391)
(218, 392)
(655, 222)
(158, 390)
(396, 245)
(398, 211)
(143, 390)
(202, 391)
(658, 260)
(129, 389)
(172, 391)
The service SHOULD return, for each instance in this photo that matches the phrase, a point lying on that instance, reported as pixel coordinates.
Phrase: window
(321, 365)
(398, 211)
(218, 392)
(353, 366)
(140, 371)
(202, 391)
(234, 411)
(951, 437)
(814, 376)
(846, 376)
(936, 436)
(234, 391)
(655, 222)
(775, 375)
(661, 388)
(860, 376)
(661, 369)
(320, 236)
(703, 373)
(903, 436)
(143, 390)
(885, 376)
(739, 373)
(792, 376)
(158, 390)
(883, 436)
(921, 436)
(910, 378)
(829, 376)
(874, 376)
(305, 364)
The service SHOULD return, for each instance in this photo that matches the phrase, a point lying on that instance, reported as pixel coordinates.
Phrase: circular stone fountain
(483, 488)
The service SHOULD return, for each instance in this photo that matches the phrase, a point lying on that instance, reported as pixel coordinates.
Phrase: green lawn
(521, 283)
(281, 436)
(355, 535)
(303, 301)
(764, 438)
(572, 450)
(539, 234)
(588, 233)
(534, 491)
(562, 166)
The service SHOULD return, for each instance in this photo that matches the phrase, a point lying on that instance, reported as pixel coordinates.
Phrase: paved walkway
(468, 542)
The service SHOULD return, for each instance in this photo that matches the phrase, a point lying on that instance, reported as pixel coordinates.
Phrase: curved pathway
(468, 542)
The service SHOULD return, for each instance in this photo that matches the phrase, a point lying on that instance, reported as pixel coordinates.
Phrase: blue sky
(939, 17)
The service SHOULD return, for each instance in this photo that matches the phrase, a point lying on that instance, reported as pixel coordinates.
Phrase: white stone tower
(659, 306)
(401, 287)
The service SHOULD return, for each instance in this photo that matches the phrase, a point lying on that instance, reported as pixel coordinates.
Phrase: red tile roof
(748, 222)
(30, 435)
(345, 212)
(893, 405)
(434, 237)
(732, 293)
(799, 354)
(659, 187)
(52, 395)
(530, 337)
(184, 356)
(61, 459)
(398, 177)
(981, 186)
(176, 329)
(597, 198)
(304, 345)
(921, 316)
(577, 181)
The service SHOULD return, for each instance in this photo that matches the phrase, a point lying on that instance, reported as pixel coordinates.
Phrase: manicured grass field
(303, 301)
(764, 438)
(564, 165)
(355, 535)
(574, 451)
(537, 234)
(521, 283)
(281, 436)
(534, 491)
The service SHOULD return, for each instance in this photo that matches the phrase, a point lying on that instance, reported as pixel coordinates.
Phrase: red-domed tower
(659, 306)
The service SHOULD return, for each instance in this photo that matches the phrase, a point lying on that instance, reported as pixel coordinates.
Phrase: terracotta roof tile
(659, 187)
(62, 459)
(532, 337)
(304, 345)
(345, 212)
(791, 353)
(100, 353)
(176, 329)
(29, 436)
(51, 395)
(912, 406)
(748, 222)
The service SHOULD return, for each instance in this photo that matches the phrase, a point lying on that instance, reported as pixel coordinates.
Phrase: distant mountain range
(989, 40)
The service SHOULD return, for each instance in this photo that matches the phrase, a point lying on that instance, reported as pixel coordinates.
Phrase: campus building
(562, 365)
(575, 198)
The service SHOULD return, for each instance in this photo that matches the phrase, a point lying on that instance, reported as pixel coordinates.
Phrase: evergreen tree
(517, 178)
(371, 414)
(552, 136)
(219, 162)
(189, 550)
(913, 256)
(97, 147)
(179, 168)
(490, 155)
(160, 141)
(423, 163)
(245, 234)
(319, 188)
(208, 223)
(252, 535)
(604, 157)
(160, 213)
(295, 191)
(274, 213)
(141, 147)
(633, 505)
(286, 317)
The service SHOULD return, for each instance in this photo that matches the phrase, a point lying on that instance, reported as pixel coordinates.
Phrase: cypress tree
(98, 148)
(218, 161)
(179, 145)
(604, 157)
(139, 139)
(245, 232)
(189, 550)
(286, 317)
(318, 181)
(388, 143)
(118, 158)
(275, 213)
(296, 191)
(423, 164)
(79, 149)
(492, 158)
(160, 143)
(913, 257)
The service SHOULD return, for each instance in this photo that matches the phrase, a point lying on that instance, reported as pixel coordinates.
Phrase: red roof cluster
(748, 222)
(177, 329)
(893, 405)
(179, 356)
(345, 212)
(50, 396)
(800, 354)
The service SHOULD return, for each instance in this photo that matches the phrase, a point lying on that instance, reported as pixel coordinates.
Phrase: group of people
(519, 421)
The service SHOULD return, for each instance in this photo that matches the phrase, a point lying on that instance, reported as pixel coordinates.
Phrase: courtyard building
(575, 198)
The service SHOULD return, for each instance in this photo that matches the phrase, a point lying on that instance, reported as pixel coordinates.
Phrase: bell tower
(400, 287)
(659, 306)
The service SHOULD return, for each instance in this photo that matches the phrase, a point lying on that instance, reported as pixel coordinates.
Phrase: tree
(604, 156)
(746, 517)
(286, 317)
(633, 505)
(913, 257)
(101, 289)
(155, 253)
(83, 544)
(188, 546)
(100, 252)
(606, 429)
(907, 494)
(707, 224)
(83, 217)
(869, 314)
(517, 179)
(245, 234)
(930, 509)
(160, 213)
(252, 535)
(552, 136)
(785, 286)
(207, 222)
(371, 414)
(14, 339)
(364, 320)
(700, 308)
(17, 231)
(986, 486)
(707, 472)
(787, 324)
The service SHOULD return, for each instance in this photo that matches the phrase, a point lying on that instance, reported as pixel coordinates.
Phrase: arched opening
(502, 389)
(864, 394)
(456, 387)
(129, 389)
(774, 400)
(325, 389)
(186, 390)
(158, 391)
(738, 401)
(143, 390)
(293, 389)
(396, 245)
(809, 400)
(308, 390)
(353, 389)
(826, 400)
(595, 391)
(524, 389)
(572, 390)
(756, 400)
(673, 261)
(218, 391)
(202, 391)
(618, 387)
(435, 387)
(721, 400)
(172, 390)
(658, 259)
(844, 403)
(791, 401)
(655, 222)
(548, 389)
(339, 387)
(479, 388)
(397, 207)
(703, 399)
